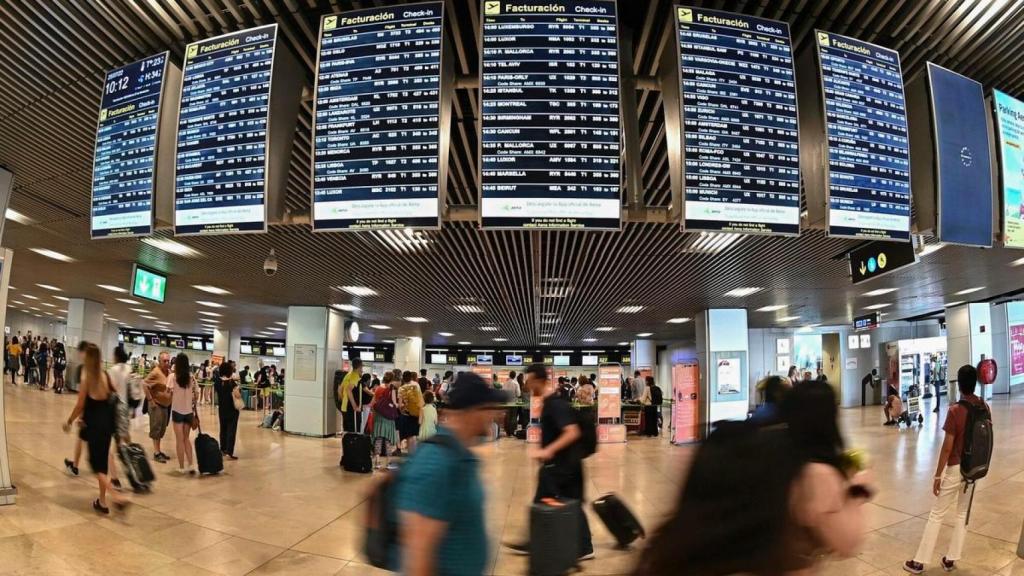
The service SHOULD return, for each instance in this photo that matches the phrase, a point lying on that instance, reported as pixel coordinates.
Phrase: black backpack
(978, 442)
(587, 422)
(656, 398)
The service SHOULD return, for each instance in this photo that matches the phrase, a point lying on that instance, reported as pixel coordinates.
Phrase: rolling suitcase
(356, 452)
(208, 454)
(554, 536)
(136, 466)
(619, 520)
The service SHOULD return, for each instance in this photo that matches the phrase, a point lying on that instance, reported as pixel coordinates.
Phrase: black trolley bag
(356, 451)
(619, 520)
(136, 466)
(554, 536)
(209, 458)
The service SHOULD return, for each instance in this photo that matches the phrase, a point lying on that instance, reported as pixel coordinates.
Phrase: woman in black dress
(225, 387)
(95, 406)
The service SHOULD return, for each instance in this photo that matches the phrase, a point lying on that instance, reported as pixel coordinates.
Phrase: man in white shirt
(511, 387)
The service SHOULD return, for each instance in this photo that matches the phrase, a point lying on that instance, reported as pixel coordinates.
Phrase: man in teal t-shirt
(443, 530)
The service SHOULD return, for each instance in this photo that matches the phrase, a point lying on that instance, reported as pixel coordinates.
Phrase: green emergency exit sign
(148, 284)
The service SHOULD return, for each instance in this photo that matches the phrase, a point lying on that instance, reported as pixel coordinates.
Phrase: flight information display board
(550, 128)
(376, 138)
(220, 168)
(1010, 129)
(868, 148)
(741, 169)
(124, 162)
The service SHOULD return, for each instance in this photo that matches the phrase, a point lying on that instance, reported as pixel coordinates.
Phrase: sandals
(99, 507)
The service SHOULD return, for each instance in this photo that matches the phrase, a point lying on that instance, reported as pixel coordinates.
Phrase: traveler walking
(949, 486)
(228, 395)
(183, 417)
(158, 403)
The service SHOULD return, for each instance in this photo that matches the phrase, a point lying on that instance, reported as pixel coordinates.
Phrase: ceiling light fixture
(645, 334)
(209, 304)
(630, 309)
(590, 339)
(380, 326)
(50, 305)
(788, 318)
(878, 306)
(969, 290)
(772, 308)
(172, 247)
(17, 302)
(604, 329)
(550, 320)
(358, 290)
(679, 320)
(954, 303)
(1017, 262)
(148, 317)
(285, 324)
(29, 296)
(499, 339)
(445, 334)
(388, 341)
(18, 217)
(139, 310)
(711, 243)
(211, 289)
(545, 344)
(52, 254)
(113, 288)
(743, 292)
(464, 343)
(128, 301)
(417, 319)
(346, 307)
(489, 328)
(64, 298)
(468, 308)
(208, 313)
(273, 329)
(50, 288)
(880, 291)
(623, 344)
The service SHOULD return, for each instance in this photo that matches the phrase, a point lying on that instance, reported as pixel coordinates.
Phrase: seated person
(893, 407)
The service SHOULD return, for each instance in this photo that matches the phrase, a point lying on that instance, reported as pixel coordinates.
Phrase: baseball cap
(470, 391)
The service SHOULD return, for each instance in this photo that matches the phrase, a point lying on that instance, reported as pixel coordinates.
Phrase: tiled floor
(286, 508)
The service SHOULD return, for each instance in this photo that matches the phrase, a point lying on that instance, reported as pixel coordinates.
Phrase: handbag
(195, 415)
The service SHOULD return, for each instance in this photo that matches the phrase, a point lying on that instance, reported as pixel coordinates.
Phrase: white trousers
(951, 497)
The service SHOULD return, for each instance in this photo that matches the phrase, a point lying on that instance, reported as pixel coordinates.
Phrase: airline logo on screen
(330, 22)
(685, 15)
(492, 7)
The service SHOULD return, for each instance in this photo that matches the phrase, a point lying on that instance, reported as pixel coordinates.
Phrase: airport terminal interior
(646, 228)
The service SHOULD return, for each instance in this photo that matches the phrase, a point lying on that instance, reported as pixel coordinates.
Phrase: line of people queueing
(38, 360)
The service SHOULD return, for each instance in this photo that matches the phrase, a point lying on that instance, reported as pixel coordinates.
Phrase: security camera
(270, 264)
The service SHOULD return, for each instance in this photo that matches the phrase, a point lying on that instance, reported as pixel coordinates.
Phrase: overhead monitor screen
(960, 120)
(438, 358)
(562, 360)
(513, 360)
(140, 339)
(589, 360)
(366, 355)
(278, 351)
(149, 284)
(245, 349)
(376, 131)
(741, 168)
(1010, 129)
(868, 148)
(124, 163)
(484, 359)
(220, 166)
(195, 344)
(550, 115)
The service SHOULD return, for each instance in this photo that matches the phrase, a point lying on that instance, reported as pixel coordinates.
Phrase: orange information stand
(686, 403)
(610, 429)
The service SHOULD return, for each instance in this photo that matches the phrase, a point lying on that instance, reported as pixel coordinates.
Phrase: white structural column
(644, 356)
(85, 324)
(7, 490)
(227, 344)
(722, 350)
(109, 341)
(314, 346)
(968, 339)
(409, 353)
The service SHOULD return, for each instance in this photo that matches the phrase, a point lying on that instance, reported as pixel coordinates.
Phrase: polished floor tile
(286, 508)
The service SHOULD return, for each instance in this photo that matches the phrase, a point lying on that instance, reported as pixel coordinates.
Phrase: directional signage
(148, 284)
(866, 129)
(377, 150)
(1010, 129)
(739, 116)
(221, 163)
(124, 162)
(550, 127)
(875, 259)
(866, 322)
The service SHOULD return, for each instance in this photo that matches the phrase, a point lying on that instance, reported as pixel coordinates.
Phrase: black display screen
(740, 137)
(124, 163)
(376, 142)
(220, 167)
(550, 128)
(868, 147)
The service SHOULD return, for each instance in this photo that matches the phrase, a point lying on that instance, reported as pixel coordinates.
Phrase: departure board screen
(550, 115)
(1010, 130)
(740, 136)
(868, 147)
(124, 163)
(376, 141)
(220, 168)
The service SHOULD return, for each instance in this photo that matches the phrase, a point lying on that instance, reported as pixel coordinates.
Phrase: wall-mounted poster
(852, 342)
(865, 340)
(782, 364)
(685, 396)
(1010, 132)
(782, 346)
(807, 348)
(1015, 330)
(305, 362)
(727, 374)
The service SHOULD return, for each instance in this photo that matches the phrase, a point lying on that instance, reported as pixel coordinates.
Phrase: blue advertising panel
(124, 161)
(740, 136)
(1010, 129)
(221, 158)
(868, 148)
(550, 127)
(964, 166)
(376, 131)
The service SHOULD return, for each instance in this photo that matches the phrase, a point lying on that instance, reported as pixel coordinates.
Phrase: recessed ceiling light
(285, 324)
(139, 310)
(209, 304)
(555, 292)
(445, 334)
(148, 317)
(380, 326)
(18, 217)
(128, 301)
(969, 290)
(172, 247)
(164, 322)
(788, 318)
(645, 334)
(34, 308)
(64, 298)
(545, 334)
(417, 319)
(545, 344)
(743, 292)
(346, 307)
(880, 291)
(679, 320)
(113, 319)
(388, 341)
(623, 344)
(208, 313)
(772, 308)
(117, 289)
(52, 254)
(604, 329)
(468, 308)
(464, 343)
(50, 305)
(48, 287)
(500, 339)
(550, 320)
(878, 306)
(273, 329)
(211, 289)
(631, 309)
(1017, 262)
(358, 290)
(590, 339)
(489, 328)
(29, 296)
(954, 303)
(17, 302)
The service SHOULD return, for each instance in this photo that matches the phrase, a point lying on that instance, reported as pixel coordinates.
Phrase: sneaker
(70, 466)
(913, 567)
(588, 556)
(520, 548)
(948, 565)
(161, 457)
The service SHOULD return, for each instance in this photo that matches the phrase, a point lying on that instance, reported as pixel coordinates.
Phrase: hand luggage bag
(136, 466)
(619, 520)
(208, 454)
(554, 536)
(356, 452)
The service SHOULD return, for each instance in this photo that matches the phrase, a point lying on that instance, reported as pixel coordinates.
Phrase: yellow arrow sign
(863, 268)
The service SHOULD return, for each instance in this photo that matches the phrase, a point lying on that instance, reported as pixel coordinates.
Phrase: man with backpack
(964, 458)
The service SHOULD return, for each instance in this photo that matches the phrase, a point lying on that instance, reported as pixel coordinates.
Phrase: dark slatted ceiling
(533, 286)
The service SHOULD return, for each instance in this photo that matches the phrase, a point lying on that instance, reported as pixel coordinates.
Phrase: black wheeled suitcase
(356, 453)
(208, 454)
(554, 536)
(136, 466)
(619, 520)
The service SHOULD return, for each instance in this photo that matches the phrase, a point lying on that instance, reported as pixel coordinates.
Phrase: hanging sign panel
(550, 128)
(741, 169)
(1010, 129)
(125, 158)
(868, 181)
(221, 163)
(378, 151)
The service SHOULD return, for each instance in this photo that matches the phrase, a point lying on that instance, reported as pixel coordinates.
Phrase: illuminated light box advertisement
(128, 135)
(867, 157)
(381, 98)
(1015, 330)
(1010, 129)
(741, 167)
(550, 127)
